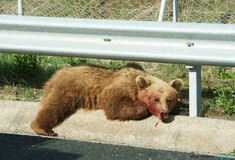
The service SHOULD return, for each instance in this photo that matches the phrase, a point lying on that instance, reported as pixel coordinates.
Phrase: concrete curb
(188, 134)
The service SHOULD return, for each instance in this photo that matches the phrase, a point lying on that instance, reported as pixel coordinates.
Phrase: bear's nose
(164, 114)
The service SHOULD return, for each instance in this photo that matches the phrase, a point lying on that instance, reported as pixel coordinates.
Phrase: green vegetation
(219, 92)
(232, 153)
(22, 78)
(225, 95)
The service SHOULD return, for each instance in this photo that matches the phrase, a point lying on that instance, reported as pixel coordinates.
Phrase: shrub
(225, 95)
(114, 63)
(27, 65)
(76, 61)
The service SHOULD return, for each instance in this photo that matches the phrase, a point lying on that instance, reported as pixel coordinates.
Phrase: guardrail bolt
(190, 44)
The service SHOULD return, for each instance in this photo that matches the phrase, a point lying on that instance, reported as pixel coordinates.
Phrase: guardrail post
(162, 10)
(20, 7)
(194, 90)
(175, 10)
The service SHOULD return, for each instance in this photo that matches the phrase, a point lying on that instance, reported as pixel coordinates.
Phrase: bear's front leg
(133, 111)
(127, 110)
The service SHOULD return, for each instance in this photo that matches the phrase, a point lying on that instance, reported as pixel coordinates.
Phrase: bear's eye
(157, 100)
(170, 101)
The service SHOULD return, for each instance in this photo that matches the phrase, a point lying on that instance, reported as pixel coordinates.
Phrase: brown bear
(125, 93)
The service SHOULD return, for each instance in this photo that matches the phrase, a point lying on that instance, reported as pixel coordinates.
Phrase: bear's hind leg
(44, 122)
(49, 117)
(42, 131)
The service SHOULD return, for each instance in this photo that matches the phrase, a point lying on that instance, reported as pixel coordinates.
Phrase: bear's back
(87, 76)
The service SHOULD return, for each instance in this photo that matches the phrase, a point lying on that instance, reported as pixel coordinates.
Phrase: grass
(218, 83)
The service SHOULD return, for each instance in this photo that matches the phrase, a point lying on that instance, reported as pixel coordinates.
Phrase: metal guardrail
(204, 44)
(194, 44)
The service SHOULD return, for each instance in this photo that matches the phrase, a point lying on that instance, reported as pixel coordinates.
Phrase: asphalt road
(17, 147)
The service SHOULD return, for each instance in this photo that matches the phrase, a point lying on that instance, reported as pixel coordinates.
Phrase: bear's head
(160, 97)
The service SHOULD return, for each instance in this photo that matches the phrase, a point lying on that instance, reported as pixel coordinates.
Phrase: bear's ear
(142, 82)
(178, 84)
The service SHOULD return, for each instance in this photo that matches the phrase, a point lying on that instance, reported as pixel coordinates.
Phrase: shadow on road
(14, 147)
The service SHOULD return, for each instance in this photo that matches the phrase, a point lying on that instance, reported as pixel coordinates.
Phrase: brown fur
(125, 93)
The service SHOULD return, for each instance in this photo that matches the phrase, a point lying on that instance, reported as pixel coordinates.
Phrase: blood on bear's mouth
(162, 114)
